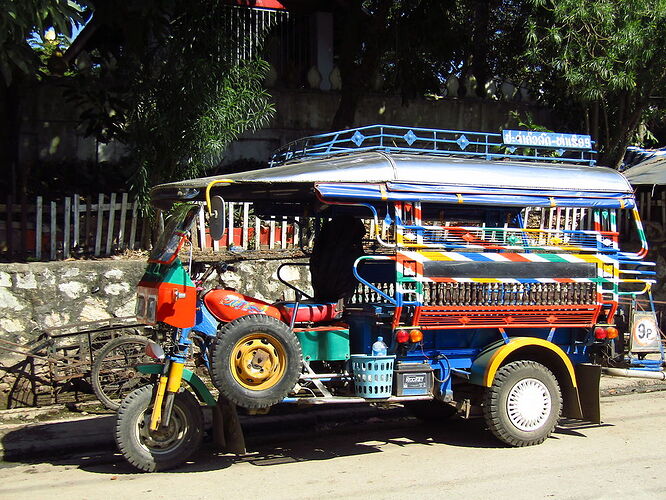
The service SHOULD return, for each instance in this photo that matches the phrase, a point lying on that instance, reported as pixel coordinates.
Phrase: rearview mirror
(217, 222)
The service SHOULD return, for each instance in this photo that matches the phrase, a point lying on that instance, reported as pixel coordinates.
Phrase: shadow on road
(275, 447)
(275, 441)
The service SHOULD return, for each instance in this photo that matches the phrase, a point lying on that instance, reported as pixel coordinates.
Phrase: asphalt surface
(33, 441)
(387, 459)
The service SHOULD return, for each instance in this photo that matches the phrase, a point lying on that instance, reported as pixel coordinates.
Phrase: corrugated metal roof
(647, 166)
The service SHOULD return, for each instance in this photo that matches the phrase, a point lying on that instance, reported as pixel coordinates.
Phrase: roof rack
(510, 144)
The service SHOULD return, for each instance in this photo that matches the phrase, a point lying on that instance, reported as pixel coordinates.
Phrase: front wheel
(165, 448)
(523, 405)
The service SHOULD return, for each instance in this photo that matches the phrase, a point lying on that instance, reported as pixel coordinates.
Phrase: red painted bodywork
(176, 304)
(227, 305)
(263, 4)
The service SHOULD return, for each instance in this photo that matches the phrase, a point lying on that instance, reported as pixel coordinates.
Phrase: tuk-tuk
(452, 272)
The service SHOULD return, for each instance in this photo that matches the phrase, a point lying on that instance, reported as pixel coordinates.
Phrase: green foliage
(177, 91)
(49, 50)
(527, 122)
(410, 47)
(600, 46)
(19, 19)
(176, 136)
(605, 56)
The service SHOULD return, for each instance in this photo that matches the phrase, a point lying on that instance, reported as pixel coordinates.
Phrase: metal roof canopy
(298, 180)
(649, 172)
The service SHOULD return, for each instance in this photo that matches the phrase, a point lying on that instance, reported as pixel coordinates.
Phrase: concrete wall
(306, 112)
(49, 121)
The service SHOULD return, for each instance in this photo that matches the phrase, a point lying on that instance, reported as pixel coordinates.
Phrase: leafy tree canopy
(174, 86)
(601, 65)
(608, 56)
(19, 19)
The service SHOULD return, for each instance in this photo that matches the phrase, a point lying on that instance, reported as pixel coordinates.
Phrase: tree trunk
(619, 140)
(346, 113)
(9, 136)
(480, 68)
(356, 77)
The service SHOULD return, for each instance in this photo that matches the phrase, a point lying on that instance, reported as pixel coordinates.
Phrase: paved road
(625, 457)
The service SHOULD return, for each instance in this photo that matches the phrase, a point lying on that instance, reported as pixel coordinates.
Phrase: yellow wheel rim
(258, 361)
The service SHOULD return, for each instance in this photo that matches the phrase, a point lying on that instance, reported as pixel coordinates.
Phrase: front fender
(198, 386)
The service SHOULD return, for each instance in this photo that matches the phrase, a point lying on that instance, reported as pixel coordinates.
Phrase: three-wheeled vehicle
(452, 272)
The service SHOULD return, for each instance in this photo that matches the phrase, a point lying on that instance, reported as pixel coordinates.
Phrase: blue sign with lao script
(528, 138)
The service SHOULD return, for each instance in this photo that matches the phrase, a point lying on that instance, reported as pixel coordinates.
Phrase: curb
(38, 441)
(51, 439)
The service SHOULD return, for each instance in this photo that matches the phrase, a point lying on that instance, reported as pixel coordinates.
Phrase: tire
(431, 411)
(162, 450)
(255, 361)
(523, 405)
(113, 375)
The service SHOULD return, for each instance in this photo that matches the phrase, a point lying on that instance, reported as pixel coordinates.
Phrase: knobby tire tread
(137, 402)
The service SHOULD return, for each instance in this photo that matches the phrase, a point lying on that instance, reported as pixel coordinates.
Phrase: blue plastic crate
(373, 375)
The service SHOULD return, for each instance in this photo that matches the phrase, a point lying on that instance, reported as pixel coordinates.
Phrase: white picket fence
(107, 224)
(248, 231)
(79, 225)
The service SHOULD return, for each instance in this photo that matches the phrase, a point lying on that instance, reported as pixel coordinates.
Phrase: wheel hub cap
(528, 404)
(165, 438)
(258, 361)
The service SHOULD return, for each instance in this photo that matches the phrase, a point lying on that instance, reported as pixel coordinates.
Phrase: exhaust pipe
(624, 372)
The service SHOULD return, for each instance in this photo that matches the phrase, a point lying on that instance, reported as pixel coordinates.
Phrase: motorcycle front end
(160, 425)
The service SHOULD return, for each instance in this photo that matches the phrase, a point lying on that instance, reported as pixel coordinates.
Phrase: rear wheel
(167, 447)
(256, 361)
(113, 374)
(523, 405)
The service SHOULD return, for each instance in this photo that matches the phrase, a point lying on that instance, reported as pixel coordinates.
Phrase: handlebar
(223, 267)
(219, 267)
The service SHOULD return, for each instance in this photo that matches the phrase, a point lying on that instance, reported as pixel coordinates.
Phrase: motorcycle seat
(310, 312)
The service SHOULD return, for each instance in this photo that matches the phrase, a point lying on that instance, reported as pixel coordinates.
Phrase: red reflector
(402, 336)
(612, 332)
(600, 332)
(155, 351)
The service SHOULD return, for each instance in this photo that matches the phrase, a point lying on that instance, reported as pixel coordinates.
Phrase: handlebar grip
(223, 267)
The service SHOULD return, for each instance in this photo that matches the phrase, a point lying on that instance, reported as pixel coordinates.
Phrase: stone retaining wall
(42, 295)
(38, 296)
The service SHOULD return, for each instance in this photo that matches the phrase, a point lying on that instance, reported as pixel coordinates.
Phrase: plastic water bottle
(379, 348)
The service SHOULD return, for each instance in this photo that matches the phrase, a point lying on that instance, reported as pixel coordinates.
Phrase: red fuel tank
(227, 305)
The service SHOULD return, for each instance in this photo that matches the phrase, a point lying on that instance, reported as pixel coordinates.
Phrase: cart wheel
(163, 449)
(523, 405)
(256, 361)
(113, 375)
(430, 411)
